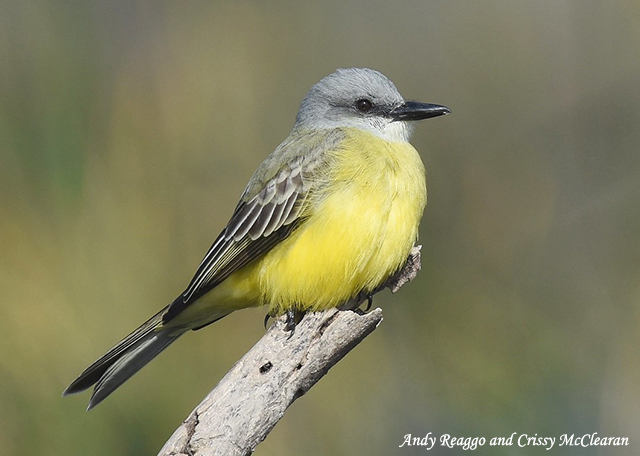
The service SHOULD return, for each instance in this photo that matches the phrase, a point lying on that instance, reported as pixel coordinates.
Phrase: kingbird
(323, 222)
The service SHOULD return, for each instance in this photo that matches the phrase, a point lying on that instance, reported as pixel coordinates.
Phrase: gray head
(364, 99)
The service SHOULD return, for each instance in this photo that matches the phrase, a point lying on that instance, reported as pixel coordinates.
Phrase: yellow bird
(323, 222)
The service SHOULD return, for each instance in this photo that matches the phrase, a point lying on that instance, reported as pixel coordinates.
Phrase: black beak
(415, 110)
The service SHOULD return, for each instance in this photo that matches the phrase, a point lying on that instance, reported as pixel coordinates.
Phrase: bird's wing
(258, 223)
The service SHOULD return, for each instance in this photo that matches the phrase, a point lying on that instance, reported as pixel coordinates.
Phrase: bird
(326, 218)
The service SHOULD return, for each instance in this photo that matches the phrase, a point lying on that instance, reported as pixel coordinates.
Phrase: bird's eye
(364, 105)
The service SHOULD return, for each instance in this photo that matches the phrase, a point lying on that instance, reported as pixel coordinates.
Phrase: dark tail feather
(122, 361)
(128, 364)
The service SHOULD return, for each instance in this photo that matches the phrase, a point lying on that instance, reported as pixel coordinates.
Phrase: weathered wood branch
(242, 409)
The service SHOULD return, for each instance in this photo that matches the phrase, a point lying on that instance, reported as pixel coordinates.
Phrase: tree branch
(242, 409)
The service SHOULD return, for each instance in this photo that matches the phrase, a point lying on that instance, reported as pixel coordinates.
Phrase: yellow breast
(359, 233)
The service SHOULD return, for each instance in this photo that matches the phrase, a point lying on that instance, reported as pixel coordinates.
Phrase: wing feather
(257, 229)
(265, 215)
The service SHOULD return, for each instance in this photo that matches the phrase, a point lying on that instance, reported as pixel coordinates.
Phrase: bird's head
(365, 99)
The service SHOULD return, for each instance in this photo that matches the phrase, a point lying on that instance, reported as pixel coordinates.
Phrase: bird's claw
(369, 302)
(293, 318)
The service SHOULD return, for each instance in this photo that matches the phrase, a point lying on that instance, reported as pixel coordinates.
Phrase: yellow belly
(359, 231)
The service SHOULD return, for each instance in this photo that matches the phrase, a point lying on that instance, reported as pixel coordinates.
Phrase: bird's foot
(266, 319)
(293, 318)
(369, 302)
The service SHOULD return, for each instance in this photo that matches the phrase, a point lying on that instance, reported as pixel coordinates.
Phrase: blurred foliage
(129, 128)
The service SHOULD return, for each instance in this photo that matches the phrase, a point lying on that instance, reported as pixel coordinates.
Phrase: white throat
(391, 131)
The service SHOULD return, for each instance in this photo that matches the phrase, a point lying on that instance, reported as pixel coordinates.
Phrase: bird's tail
(125, 359)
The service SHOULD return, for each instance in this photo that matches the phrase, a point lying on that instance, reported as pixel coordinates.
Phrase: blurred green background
(128, 129)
